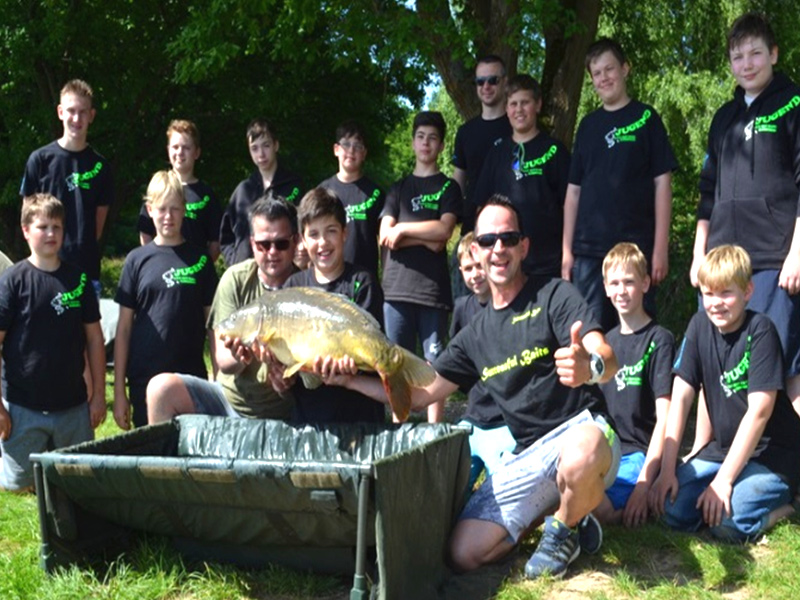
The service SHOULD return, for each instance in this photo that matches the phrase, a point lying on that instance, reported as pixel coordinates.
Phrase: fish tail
(399, 394)
(417, 372)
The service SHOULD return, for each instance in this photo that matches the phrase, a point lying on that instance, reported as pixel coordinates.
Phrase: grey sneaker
(590, 534)
(558, 547)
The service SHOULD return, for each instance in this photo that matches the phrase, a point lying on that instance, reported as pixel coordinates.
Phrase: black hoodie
(749, 181)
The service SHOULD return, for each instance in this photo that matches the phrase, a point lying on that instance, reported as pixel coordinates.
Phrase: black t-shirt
(82, 181)
(333, 404)
(415, 274)
(729, 367)
(645, 373)
(482, 410)
(167, 287)
(234, 232)
(511, 351)
(43, 315)
(474, 139)
(363, 201)
(201, 221)
(533, 176)
(615, 159)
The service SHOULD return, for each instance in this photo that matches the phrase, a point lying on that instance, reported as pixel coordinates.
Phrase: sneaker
(558, 547)
(590, 534)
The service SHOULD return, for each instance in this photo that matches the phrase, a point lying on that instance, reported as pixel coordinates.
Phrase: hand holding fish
(275, 369)
(334, 371)
(240, 351)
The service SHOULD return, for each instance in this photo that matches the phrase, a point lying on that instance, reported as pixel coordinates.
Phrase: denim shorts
(208, 397)
(630, 466)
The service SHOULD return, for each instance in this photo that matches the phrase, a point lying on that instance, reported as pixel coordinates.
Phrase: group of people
(577, 398)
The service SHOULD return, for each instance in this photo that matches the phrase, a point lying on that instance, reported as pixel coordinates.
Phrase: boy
(742, 481)
(638, 396)
(748, 184)
(362, 199)
(49, 319)
(79, 177)
(203, 213)
(530, 168)
(234, 235)
(491, 438)
(323, 224)
(620, 184)
(418, 219)
(165, 293)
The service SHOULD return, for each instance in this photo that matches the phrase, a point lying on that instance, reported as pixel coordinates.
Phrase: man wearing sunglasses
(244, 386)
(476, 137)
(538, 352)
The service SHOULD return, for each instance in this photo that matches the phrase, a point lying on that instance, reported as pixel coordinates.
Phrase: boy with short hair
(72, 171)
(234, 236)
(530, 168)
(165, 294)
(743, 480)
(620, 184)
(203, 213)
(323, 225)
(491, 440)
(49, 319)
(749, 183)
(363, 200)
(418, 219)
(638, 396)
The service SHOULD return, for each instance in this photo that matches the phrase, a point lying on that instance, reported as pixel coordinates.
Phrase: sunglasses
(491, 80)
(281, 244)
(509, 239)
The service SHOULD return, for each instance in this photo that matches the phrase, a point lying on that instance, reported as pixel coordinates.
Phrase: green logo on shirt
(66, 300)
(292, 196)
(193, 208)
(632, 374)
(626, 133)
(184, 275)
(429, 201)
(766, 123)
(524, 168)
(81, 180)
(735, 380)
(358, 212)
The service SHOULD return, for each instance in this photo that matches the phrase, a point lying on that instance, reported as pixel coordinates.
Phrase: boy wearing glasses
(363, 200)
(477, 136)
(530, 168)
(323, 225)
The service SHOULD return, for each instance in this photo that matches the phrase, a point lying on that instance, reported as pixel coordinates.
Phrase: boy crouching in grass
(49, 316)
(744, 477)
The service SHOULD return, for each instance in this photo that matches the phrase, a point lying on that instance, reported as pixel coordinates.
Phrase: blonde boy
(743, 479)
(638, 396)
(165, 292)
(49, 320)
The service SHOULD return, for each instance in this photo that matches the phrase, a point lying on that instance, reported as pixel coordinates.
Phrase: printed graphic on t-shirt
(292, 196)
(72, 299)
(429, 201)
(184, 275)
(626, 133)
(193, 209)
(631, 375)
(525, 168)
(736, 379)
(358, 212)
(81, 180)
(766, 123)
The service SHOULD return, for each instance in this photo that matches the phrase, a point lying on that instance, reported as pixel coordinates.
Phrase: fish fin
(310, 381)
(291, 370)
(399, 394)
(417, 372)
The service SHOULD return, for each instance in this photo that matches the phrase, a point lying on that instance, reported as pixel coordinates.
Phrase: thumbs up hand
(572, 362)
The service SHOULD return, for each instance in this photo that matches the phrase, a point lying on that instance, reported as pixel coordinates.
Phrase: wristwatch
(597, 367)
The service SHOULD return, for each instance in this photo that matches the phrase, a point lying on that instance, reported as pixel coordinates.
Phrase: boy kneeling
(743, 478)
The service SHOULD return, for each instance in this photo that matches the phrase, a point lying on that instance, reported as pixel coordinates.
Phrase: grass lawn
(648, 563)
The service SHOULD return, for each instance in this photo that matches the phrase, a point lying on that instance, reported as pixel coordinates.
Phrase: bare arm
(372, 387)
(100, 219)
(122, 341)
(213, 250)
(699, 252)
(571, 202)
(703, 432)
(663, 215)
(96, 351)
(789, 278)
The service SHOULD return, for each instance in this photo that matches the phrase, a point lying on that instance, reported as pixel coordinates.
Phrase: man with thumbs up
(538, 351)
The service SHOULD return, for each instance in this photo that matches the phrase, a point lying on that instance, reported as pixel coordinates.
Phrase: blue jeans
(405, 321)
(756, 492)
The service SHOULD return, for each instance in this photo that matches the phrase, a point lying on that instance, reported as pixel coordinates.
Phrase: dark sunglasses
(281, 244)
(509, 239)
(491, 80)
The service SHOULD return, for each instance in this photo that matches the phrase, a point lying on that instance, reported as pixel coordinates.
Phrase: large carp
(300, 324)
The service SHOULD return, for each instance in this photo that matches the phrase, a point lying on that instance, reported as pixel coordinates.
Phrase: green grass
(649, 562)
